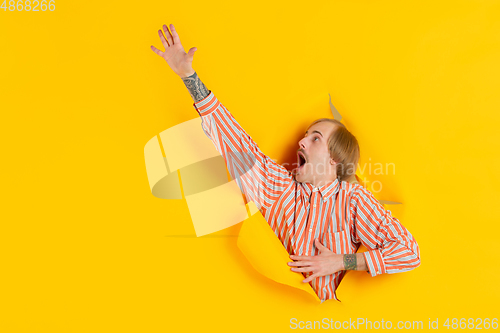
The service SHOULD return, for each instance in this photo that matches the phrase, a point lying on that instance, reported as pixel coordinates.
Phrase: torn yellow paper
(163, 185)
(335, 113)
(217, 208)
(183, 156)
(260, 245)
(204, 175)
(186, 143)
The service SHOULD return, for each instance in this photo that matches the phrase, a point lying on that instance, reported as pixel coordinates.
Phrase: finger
(155, 50)
(301, 269)
(306, 258)
(163, 40)
(168, 35)
(175, 35)
(320, 246)
(309, 279)
(192, 51)
(299, 257)
(300, 263)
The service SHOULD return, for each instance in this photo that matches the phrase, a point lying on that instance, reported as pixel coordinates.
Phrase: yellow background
(85, 247)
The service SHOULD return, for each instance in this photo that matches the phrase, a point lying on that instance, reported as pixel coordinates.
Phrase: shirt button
(314, 205)
(378, 272)
(310, 230)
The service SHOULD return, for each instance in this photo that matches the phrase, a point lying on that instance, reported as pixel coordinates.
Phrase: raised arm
(196, 88)
(260, 178)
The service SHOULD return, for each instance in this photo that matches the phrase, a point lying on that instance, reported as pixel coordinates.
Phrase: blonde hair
(344, 149)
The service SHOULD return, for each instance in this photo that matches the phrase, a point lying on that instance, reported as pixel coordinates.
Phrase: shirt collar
(326, 191)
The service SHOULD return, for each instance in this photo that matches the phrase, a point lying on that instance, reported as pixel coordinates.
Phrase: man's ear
(332, 162)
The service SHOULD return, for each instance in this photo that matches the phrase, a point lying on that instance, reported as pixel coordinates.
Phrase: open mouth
(301, 159)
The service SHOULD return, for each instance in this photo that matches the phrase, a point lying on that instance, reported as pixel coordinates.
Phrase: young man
(319, 216)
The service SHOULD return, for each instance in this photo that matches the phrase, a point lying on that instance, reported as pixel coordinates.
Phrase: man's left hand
(325, 263)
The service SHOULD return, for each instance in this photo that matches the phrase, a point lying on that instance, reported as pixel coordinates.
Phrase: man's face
(313, 155)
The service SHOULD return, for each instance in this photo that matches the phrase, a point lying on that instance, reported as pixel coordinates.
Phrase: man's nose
(302, 143)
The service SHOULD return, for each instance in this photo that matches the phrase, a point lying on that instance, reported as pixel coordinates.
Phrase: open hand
(323, 264)
(174, 55)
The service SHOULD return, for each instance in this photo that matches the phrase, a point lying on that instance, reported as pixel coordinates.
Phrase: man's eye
(316, 138)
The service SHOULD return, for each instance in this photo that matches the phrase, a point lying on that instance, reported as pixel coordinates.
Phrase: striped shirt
(342, 215)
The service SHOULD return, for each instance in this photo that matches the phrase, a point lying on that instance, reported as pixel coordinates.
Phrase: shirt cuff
(207, 105)
(375, 262)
